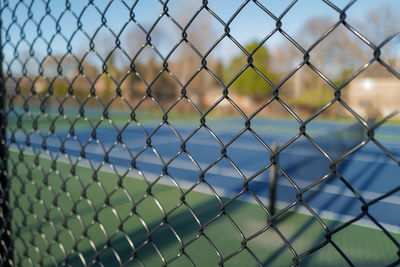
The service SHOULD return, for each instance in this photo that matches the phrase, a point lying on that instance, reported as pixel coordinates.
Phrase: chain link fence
(99, 124)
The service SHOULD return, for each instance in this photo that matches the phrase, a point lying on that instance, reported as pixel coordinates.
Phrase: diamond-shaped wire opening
(223, 169)
(201, 98)
(167, 190)
(202, 252)
(256, 158)
(67, 18)
(223, 225)
(166, 142)
(73, 222)
(96, 191)
(261, 22)
(224, 119)
(273, 123)
(249, 97)
(165, 36)
(64, 237)
(132, 38)
(210, 147)
(86, 15)
(250, 218)
(58, 43)
(89, 251)
(96, 233)
(47, 25)
(92, 65)
(118, 61)
(122, 247)
(110, 220)
(147, 63)
(303, 84)
(59, 88)
(204, 24)
(295, 222)
(299, 160)
(79, 41)
(123, 12)
(184, 116)
(149, 210)
(32, 65)
(118, 113)
(284, 56)
(132, 88)
(339, 138)
(145, 122)
(147, 13)
(226, 49)
(184, 223)
(184, 62)
(183, 171)
(344, 51)
(167, 241)
(165, 90)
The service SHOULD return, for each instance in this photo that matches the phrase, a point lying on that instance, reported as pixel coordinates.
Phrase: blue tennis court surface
(369, 170)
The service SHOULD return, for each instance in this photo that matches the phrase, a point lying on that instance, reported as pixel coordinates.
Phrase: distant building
(374, 93)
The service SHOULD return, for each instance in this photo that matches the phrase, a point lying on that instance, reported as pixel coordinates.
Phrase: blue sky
(251, 23)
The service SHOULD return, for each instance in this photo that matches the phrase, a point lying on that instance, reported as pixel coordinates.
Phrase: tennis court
(301, 161)
(112, 207)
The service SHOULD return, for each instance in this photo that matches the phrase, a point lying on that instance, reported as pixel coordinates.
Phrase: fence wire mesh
(68, 197)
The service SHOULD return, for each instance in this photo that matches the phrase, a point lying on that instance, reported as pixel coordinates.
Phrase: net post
(272, 181)
(6, 246)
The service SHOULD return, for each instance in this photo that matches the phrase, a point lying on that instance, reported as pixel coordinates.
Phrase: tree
(250, 83)
(379, 23)
(164, 89)
(201, 34)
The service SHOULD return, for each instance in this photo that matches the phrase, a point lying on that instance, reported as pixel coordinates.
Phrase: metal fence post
(272, 182)
(6, 254)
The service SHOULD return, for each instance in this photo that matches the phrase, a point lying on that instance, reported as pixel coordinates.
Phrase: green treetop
(250, 83)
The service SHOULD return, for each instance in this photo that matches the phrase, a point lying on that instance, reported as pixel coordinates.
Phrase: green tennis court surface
(71, 221)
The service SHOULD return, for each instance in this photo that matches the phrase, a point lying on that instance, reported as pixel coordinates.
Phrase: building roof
(377, 70)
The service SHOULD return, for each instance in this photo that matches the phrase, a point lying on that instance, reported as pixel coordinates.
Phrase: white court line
(224, 193)
(358, 156)
(231, 173)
